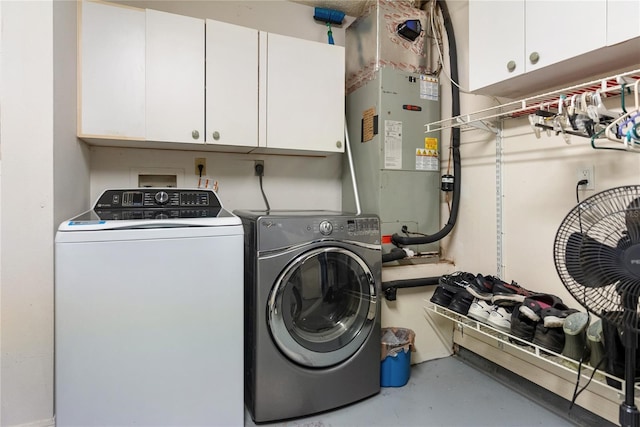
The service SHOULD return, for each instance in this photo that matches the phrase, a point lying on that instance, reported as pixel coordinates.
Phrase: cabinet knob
(339, 144)
(511, 65)
(534, 57)
(216, 135)
(195, 134)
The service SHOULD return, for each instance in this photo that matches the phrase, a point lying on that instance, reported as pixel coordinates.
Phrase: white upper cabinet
(232, 85)
(174, 77)
(304, 106)
(517, 46)
(161, 80)
(623, 20)
(111, 73)
(496, 44)
(561, 29)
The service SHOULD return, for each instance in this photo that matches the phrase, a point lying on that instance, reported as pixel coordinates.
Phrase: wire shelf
(486, 119)
(525, 347)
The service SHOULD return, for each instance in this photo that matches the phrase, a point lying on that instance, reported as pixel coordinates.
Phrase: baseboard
(49, 422)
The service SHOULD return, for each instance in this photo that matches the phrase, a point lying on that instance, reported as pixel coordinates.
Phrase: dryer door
(323, 307)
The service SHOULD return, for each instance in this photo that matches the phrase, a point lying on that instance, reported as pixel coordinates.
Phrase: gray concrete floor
(443, 392)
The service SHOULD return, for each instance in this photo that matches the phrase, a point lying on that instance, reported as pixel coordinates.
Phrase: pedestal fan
(597, 256)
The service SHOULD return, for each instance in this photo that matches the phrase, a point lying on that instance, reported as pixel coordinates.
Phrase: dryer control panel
(281, 229)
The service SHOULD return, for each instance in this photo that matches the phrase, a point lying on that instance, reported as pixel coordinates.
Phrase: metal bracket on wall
(478, 124)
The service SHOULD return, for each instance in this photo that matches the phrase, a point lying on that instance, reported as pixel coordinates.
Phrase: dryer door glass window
(323, 307)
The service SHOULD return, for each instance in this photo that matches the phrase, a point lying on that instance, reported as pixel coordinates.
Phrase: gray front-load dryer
(312, 311)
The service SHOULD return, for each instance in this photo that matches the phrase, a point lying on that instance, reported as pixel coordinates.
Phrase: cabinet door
(305, 95)
(496, 41)
(111, 71)
(560, 29)
(174, 77)
(623, 20)
(232, 85)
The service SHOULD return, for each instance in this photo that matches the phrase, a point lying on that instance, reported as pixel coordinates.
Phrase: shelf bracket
(478, 124)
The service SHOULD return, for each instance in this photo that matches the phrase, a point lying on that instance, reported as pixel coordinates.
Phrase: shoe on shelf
(509, 293)
(549, 338)
(596, 345)
(553, 317)
(461, 302)
(521, 326)
(447, 288)
(480, 310)
(575, 331)
(482, 287)
(533, 305)
(457, 281)
(467, 281)
(500, 318)
(442, 296)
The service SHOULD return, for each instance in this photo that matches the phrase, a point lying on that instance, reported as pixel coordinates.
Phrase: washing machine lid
(141, 208)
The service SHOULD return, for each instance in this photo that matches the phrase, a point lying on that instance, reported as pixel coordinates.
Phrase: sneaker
(456, 281)
(467, 281)
(521, 326)
(505, 293)
(575, 330)
(500, 318)
(442, 296)
(482, 287)
(553, 317)
(596, 345)
(532, 306)
(480, 310)
(461, 302)
(549, 338)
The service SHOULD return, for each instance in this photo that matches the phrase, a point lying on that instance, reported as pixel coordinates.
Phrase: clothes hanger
(615, 131)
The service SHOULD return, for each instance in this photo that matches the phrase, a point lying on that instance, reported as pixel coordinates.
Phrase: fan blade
(632, 220)
(591, 263)
(572, 259)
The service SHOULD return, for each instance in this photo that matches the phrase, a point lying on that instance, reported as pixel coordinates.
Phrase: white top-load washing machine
(149, 311)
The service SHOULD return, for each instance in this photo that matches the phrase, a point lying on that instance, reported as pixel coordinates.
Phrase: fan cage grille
(594, 236)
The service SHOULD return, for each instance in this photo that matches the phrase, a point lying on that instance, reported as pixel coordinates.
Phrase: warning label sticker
(427, 157)
(429, 88)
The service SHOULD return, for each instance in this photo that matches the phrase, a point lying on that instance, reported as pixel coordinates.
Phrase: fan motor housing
(632, 259)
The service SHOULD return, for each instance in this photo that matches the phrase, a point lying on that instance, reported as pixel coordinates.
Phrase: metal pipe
(390, 288)
(351, 168)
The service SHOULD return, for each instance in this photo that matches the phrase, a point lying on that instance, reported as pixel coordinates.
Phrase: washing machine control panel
(156, 203)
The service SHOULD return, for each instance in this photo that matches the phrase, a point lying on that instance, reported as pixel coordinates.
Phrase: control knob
(326, 228)
(161, 197)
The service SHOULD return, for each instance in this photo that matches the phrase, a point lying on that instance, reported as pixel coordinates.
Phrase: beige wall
(27, 212)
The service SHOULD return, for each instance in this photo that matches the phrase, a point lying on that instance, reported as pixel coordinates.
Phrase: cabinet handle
(216, 135)
(534, 57)
(511, 65)
(339, 144)
(195, 134)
